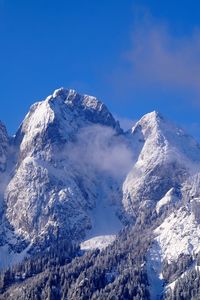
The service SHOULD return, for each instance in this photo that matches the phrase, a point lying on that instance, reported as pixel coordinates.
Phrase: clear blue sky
(136, 56)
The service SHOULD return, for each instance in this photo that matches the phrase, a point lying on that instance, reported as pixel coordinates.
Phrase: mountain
(164, 158)
(164, 183)
(72, 182)
(53, 187)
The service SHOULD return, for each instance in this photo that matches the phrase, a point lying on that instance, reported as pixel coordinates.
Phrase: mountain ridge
(72, 174)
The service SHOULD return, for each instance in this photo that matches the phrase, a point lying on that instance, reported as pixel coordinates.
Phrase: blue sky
(136, 56)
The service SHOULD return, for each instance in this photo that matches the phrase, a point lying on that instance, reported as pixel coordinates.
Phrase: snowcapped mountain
(53, 188)
(71, 173)
(164, 158)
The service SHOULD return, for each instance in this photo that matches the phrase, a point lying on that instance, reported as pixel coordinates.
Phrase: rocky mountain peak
(59, 117)
(151, 123)
(88, 106)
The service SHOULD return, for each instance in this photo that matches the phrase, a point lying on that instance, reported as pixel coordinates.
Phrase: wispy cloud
(125, 123)
(99, 148)
(160, 59)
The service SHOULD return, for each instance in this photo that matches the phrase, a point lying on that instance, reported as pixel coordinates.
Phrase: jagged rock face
(56, 120)
(4, 157)
(165, 157)
(50, 193)
(4, 144)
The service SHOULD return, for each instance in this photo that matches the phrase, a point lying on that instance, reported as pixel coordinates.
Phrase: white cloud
(125, 123)
(98, 147)
(159, 60)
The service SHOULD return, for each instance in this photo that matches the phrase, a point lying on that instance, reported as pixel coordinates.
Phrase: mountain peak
(60, 116)
(86, 106)
(62, 92)
(158, 130)
(151, 118)
(149, 123)
(154, 115)
(73, 99)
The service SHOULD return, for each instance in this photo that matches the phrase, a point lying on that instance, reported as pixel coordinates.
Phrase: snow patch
(98, 242)
(154, 273)
(167, 199)
(178, 234)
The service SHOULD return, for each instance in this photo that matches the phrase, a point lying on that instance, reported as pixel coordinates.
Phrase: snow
(98, 242)
(105, 226)
(48, 189)
(167, 199)
(172, 284)
(104, 221)
(92, 103)
(36, 122)
(158, 145)
(179, 233)
(164, 201)
(103, 218)
(62, 92)
(154, 274)
(161, 149)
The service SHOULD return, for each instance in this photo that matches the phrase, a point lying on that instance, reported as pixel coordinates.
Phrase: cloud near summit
(98, 148)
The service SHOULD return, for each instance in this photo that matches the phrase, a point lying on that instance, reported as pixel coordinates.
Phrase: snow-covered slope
(163, 187)
(98, 242)
(164, 158)
(57, 118)
(178, 234)
(56, 185)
